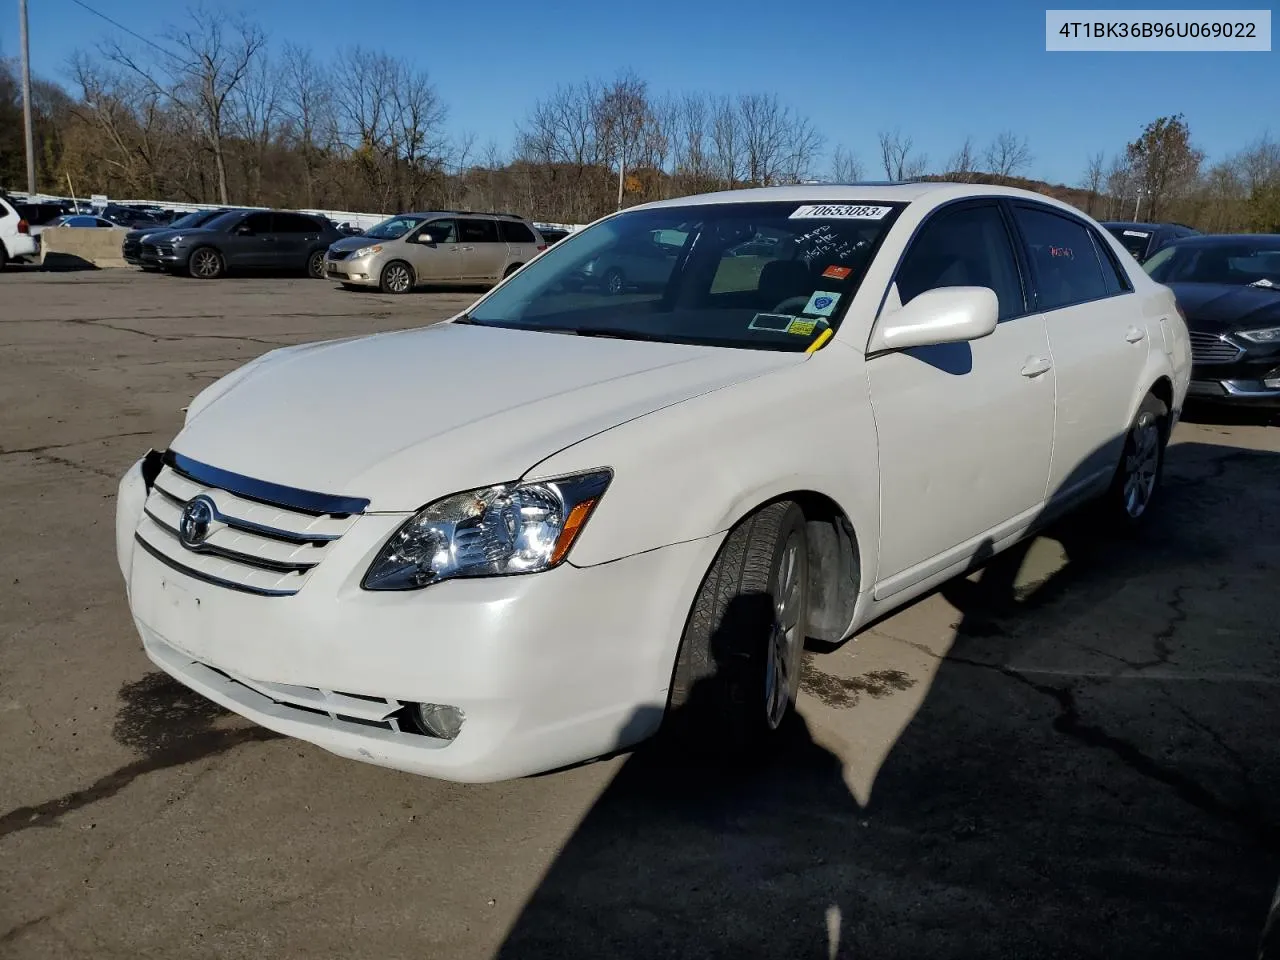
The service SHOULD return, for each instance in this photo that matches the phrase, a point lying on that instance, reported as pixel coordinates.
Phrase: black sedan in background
(131, 246)
(1229, 289)
(1144, 240)
(245, 240)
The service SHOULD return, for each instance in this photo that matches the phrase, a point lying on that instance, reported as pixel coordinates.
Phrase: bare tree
(963, 163)
(779, 145)
(622, 118)
(845, 166)
(729, 142)
(896, 156)
(212, 56)
(1007, 154)
(1121, 194)
(254, 118)
(1093, 178)
(306, 100)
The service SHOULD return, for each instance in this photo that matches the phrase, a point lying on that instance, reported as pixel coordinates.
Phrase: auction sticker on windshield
(840, 211)
(821, 304)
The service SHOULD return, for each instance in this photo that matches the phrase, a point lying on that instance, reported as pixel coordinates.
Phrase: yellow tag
(823, 337)
(802, 328)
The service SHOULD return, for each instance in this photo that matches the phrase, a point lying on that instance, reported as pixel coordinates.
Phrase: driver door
(965, 430)
(434, 253)
(251, 243)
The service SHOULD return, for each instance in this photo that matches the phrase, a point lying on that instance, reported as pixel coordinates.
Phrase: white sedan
(534, 534)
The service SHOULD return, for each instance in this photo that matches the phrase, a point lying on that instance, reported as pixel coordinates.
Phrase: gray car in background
(443, 247)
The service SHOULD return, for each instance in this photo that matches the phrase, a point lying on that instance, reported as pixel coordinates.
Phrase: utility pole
(26, 99)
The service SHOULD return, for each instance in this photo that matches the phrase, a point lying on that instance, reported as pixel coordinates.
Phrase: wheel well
(1162, 390)
(834, 566)
(512, 268)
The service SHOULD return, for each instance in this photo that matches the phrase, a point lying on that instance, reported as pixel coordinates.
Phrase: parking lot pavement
(1071, 753)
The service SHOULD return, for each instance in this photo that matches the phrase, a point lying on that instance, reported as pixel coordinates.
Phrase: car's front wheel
(1137, 481)
(397, 277)
(737, 674)
(205, 264)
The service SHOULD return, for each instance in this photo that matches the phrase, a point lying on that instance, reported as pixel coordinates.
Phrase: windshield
(1243, 263)
(195, 219)
(393, 229)
(222, 220)
(1135, 241)
(767, 276)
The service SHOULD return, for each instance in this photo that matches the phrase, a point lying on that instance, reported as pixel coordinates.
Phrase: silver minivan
(443, 248)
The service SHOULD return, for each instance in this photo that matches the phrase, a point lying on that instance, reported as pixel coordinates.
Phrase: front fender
(694, 469)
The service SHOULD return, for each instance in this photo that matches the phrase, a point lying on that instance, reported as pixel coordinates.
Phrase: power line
(120, 26)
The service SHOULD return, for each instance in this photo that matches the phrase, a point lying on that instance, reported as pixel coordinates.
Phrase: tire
(1136, 484)
(315, 265)
(613, 280)
(511, 269)
(205, 263)
(397, 277)
(738, 670)
(4, 257)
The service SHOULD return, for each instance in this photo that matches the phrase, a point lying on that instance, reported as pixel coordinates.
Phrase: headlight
(1265, 335)
(492, 531)
(365, 251)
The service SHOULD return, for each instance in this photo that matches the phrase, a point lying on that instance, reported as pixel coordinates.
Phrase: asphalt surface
(1071, 754)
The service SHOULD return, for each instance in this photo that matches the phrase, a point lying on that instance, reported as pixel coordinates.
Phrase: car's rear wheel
(511, 269)
(737, 674)
(315, 265)
(397, 277)
(4, 257)
(1136, 485)
(205, 264)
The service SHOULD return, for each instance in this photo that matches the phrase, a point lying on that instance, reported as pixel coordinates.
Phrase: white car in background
(533, 534)
(16, 241)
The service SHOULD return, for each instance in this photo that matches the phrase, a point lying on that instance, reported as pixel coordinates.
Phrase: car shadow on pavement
(1092, 773)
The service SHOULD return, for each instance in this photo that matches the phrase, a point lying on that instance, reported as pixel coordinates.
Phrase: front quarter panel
(694, 469)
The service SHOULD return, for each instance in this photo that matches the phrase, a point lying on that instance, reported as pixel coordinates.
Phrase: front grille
(149, 250)
(263, 539)
(130, 247)
(1210, 348)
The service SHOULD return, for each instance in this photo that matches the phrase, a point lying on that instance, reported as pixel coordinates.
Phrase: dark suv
(243, 240)
(1143, 240)
(131, 246)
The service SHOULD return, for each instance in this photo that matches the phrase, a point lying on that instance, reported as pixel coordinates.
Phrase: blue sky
(936, 70)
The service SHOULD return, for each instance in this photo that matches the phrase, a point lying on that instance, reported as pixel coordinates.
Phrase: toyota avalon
(541, 531)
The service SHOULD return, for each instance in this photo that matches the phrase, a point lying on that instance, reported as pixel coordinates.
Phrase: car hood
(347, 244)
(1222, 308)
(403, 418)
(139, 232)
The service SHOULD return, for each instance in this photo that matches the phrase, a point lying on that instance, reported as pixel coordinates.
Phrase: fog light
(1272, 379)
(439, 720)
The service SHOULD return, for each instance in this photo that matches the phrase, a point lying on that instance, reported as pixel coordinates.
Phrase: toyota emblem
(197, 517)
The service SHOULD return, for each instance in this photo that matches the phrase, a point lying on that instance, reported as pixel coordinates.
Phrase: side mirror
(942, 315)
(424, 239)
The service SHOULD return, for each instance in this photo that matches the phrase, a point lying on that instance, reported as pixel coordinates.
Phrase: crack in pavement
(172, 337)
(73, 443)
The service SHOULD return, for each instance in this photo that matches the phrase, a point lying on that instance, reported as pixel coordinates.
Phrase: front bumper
(550, 669)
(1253, 379)
(361, 273)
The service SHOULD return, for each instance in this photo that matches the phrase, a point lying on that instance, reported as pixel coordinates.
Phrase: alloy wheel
(1141, 463)
(786, 642)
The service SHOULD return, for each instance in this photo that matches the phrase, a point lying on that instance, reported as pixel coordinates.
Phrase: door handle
(1036, 366)
(1134, 334)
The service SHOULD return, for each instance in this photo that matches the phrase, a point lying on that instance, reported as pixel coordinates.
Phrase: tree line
(213, 112)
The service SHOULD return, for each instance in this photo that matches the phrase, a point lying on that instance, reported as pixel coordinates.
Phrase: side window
(257, 222)
(441, 231)
(515, 232)
(294, 223)
(477, 231)
(1113, 275)
(1063, 261)
(965, 247)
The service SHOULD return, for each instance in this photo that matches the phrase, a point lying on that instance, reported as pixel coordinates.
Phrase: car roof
(460, 213)
(1226, 239)
(934, 191)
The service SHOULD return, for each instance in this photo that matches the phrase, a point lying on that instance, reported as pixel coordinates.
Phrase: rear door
(522, 245)
(295, 235)
(484, 255)
(1097, 337)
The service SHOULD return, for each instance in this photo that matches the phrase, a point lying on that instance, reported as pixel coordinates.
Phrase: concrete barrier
(84, 247)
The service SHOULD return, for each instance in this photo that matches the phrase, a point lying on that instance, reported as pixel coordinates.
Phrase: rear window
(1135, 241)
(1062, 257)
(477, 231)
(515, 232)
